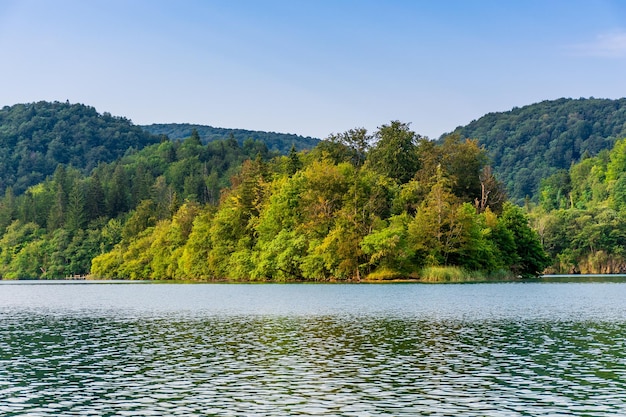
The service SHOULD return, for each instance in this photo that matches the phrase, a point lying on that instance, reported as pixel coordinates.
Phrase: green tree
(76, 218)
(233, 228)
(617, 161)
(95, 206)
(435, 233)
(118, 195)
(282, 241)
(16, 238)
(395, 152)
(532, 258)
(294, 164)
(555, 191)
(57, 214)
(193, 262)
(463, 161)
(351, 146)
(141, 218)
(279, 258)
(389, 252)
(8, 208)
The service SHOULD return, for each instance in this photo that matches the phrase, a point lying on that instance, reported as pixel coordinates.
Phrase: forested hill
(280, 142)
(532, 142)
(36, 137)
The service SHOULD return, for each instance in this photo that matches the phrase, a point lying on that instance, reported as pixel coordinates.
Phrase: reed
(384, 274)
(442, 274)
(457, 274)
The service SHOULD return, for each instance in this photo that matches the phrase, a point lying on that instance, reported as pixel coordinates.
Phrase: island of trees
(357, 206)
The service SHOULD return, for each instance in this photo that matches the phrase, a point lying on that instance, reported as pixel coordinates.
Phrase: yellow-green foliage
(441, 274)
(337, 216)
(586, 233)
(328, 221)
(456, 274)
(384, 274)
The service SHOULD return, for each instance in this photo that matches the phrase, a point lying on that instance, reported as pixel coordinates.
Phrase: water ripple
(478, 350)
(71, 365)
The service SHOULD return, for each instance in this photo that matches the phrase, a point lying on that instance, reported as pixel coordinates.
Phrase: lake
(543, 348)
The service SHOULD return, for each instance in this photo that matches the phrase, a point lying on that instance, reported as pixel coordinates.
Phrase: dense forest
(530, 143)
(36, 137)
(56, 227)
(113, 201)
(341, 212)
(581, 216)
(280, 142)
(357, 206)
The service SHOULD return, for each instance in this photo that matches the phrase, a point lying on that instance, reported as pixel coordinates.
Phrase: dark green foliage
(395, 152)
(582, 215)
(36, 137)
(74, 215)
(555, 190)
(530, 143)
(530, 258)
(294, 164)
(280, 142)
(307, 216)
(236, 210)
(351, 146)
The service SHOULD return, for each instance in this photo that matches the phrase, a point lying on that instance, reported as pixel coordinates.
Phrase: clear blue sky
(310, 67)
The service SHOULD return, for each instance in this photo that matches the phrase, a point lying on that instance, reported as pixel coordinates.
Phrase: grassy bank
(440, 274)
(456, 274)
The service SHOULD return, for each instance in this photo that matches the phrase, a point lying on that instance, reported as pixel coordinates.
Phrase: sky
(311, 67)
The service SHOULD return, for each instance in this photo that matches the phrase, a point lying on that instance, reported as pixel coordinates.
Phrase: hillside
(532, 142)
(280, 142)
(525, 144)
(221, 211)
(36, 137)
(581, 215)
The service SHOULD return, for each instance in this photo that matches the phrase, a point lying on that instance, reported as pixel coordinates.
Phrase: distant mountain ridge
(280, 142)
(36, 137)
(526, 144)
(530, 143)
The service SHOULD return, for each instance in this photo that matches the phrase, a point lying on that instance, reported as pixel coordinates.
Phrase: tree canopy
(185, 210)
(530, 143)
(36, 137)
(581, 215)
(280, 142)
(359, 205)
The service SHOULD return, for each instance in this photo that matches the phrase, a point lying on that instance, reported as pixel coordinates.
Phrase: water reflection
(336, 365)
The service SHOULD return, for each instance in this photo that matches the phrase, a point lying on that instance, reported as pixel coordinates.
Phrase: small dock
(76, 277)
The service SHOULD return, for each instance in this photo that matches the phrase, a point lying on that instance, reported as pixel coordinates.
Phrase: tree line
(55, 228)
(346, 210)
(36, 137)
(581, 214)
(385, 205)
(280, 142)
(91, 194)
(530, 143)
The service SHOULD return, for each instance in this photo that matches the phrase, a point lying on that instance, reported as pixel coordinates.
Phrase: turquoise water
(506, 349)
